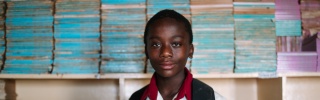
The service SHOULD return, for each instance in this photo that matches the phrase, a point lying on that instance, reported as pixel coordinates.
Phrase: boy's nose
(166, 51)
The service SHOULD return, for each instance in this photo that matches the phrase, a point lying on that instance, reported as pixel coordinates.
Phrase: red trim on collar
(185, 90)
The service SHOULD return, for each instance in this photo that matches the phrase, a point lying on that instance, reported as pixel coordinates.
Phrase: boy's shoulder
(137, 95)
(199, 90)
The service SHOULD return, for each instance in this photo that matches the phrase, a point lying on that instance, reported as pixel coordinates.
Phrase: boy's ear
(191, 50)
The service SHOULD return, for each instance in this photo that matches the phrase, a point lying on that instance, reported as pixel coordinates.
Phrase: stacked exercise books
(2, 32)
(181, 6)
(123, 23)
(318, 52)
(29, 37)
(310, 15)
(289, 43)
(213, 32)
(255, 38)
(288, 18)
(297, 61)
(77, 37)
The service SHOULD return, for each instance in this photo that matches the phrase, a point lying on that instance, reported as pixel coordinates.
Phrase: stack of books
(29, 37)
(213, 36)
(2, 39)
(297, 62)
(255, 38)
(123, 24)
(310, 15)
(181, 6)
(77, 37)
(288, 19)
(289, 43)
(318, 52)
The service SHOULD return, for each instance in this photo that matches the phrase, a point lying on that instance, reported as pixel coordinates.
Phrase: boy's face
(168, 46)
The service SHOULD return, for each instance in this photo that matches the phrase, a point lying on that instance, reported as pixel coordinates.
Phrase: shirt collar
(185, 90)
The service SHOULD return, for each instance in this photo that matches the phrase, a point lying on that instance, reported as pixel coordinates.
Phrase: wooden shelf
(147, 76)
(300, 74)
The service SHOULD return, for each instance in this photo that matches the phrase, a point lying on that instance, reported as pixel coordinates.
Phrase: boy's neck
(169, 86)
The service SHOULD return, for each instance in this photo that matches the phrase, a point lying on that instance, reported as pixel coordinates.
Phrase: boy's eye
(156, 45)
(176, 44)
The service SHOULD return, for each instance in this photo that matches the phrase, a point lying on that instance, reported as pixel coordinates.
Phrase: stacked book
(310, 15)
(123, 23)
(2, 39)
(288, 19)
(255, 38)
(180, 6)
(289, 43)
(297, 61)
(77, 37)
(318, 52)
(213, 32)
(29, 37)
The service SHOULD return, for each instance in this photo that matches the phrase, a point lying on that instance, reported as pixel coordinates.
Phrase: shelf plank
(232, 75)
(146, 76)
(300, 74)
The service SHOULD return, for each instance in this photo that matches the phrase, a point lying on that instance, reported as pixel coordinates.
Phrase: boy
(168, 44)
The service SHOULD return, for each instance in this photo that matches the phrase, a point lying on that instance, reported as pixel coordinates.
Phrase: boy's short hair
(171, 14)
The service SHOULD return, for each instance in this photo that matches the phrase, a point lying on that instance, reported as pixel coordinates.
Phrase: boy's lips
(166, 66)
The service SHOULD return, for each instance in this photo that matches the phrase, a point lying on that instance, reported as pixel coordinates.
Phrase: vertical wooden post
(10, 90)
(2, 90)
(121, 88)
(284, 82)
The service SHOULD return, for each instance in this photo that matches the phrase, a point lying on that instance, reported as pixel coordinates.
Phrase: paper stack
(77, 36)
(180, 6)
(318, 52)
(310, 15)
(288, 18)
(289, 43)
(123, 23)
(213, 34)
(2, 39)
(255, 38)
(297, 62)
(29, 37)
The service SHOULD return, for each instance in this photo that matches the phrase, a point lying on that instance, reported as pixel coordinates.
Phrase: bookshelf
(119, 86)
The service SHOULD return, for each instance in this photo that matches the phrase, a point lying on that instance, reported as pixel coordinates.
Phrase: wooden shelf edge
(147, 76)
(300, 74)
(76, 76)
